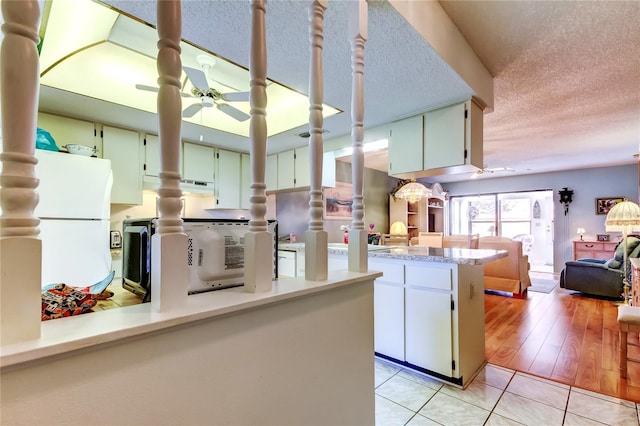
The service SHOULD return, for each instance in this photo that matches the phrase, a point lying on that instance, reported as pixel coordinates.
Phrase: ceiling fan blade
(191, 110)
(233, 112)
(145, 87)
(198, 78)
(236, 96)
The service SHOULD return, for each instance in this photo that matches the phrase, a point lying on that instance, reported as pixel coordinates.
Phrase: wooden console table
(594, 249)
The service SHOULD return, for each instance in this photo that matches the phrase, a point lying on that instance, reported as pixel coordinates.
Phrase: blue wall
(587, 185)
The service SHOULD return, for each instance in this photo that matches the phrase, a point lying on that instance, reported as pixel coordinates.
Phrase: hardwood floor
(562, 336)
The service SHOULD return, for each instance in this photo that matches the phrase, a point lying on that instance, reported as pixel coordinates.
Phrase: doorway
(525, 216)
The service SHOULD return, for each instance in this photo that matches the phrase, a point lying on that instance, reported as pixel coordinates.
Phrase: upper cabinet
(122, 147)
(151, 155)
(453, 138)
(405, 146)
(271, 172)
(228, 179)
(443, 141)
(198, 162)
(70, 131)
(245, 180)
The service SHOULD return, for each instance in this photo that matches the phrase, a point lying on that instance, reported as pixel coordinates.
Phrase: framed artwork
(602, 237)
(603, 205)
(338, 201)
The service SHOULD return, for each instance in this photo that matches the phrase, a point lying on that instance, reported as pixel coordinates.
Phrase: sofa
(508, 274)
(600, 277)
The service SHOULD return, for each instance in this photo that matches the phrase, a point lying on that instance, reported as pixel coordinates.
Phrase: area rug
(541, 285)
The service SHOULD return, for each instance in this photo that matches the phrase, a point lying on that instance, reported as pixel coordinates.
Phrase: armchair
(509, 274)
(600, 277)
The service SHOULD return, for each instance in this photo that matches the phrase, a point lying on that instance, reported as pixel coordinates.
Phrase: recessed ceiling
(566, 74)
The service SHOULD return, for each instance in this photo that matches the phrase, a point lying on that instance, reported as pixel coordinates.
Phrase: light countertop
(415, 253)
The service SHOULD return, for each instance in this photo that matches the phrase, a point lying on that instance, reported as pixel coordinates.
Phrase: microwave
(215, 253)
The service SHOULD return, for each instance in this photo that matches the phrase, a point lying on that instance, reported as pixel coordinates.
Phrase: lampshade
(580, 231)
(623, 217)
(398, 228)
(412, 192)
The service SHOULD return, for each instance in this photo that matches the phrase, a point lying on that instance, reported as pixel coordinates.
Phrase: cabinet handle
(588, 245)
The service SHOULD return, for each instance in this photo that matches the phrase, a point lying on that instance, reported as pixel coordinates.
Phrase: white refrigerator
(74, 210)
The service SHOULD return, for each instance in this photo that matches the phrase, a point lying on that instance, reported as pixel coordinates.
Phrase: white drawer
(391, 272)
(429, 277)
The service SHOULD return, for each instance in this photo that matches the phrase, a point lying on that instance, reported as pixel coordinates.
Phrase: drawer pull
(589, 245)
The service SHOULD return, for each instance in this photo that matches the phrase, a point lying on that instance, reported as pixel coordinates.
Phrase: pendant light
(412, 191)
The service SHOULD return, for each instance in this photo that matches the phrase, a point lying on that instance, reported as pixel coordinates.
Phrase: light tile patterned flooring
(497, 396)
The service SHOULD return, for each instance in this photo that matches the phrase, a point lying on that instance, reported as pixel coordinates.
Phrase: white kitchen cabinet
(70, 131)
(286, 169)
(302, 167)
(444, 319)
(198, 162)
(453, 138)
(245, 180)
(428, 330)
(406, 146)
(125, 151)
(388, 306)
(151, 155)
(271, 172)
(228, 179)
(286, 263)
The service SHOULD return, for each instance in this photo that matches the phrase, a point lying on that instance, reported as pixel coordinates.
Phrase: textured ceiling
(566, 74)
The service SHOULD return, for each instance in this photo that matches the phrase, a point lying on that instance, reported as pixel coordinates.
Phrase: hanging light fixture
(624, 217)
(412, 191)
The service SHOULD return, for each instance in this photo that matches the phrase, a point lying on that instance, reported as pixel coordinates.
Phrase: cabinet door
(428, 329)
(245, 180)
(286, 172)
(444, 137)
(69, 130)
(271, 172)
(123, 148)
(198, 162)
(228, 182)
(151, 155)
(405, 146)
(302, 167)
(388, 308)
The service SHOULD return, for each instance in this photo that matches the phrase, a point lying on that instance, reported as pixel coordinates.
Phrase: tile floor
(497, 396)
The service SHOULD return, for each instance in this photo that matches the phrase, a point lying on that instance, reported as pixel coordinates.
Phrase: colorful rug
(541, 285)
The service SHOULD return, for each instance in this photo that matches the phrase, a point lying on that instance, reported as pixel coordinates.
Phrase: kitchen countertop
(418, 253)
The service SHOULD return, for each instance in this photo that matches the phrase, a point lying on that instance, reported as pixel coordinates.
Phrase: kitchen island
(428, 306)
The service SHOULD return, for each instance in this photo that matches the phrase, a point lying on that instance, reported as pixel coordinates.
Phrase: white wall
(305, 361)
(586, 184)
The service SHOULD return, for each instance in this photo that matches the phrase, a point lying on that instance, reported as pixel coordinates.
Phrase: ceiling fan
(208, 96)
(490, 170)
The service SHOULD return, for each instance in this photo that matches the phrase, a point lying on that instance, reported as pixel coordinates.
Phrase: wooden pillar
(258, 241)
(316, 238)
(357, 233)
(169, 275)
(20, 247)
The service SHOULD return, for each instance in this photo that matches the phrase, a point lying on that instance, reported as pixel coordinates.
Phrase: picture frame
(602, 237)
(338, 201)
(603, 205)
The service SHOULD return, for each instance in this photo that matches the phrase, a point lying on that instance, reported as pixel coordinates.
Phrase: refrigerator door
(75, 252)
(73, 186)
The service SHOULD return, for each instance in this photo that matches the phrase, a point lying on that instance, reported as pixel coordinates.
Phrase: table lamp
(624, 217)
(580, 232)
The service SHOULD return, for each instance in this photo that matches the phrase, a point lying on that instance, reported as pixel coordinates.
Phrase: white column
(20, 247)
(357, 233)
(316, 239)
(169, 275)
(258, 241)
